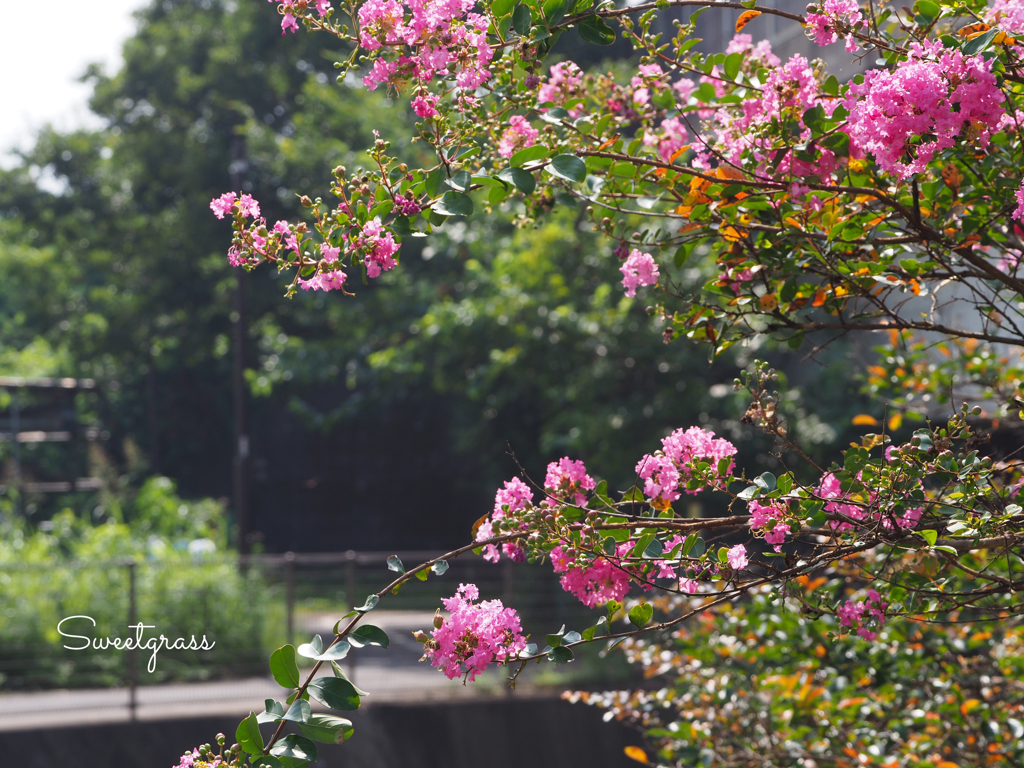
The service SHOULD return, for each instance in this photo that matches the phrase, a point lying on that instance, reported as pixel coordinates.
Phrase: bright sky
(41, 62)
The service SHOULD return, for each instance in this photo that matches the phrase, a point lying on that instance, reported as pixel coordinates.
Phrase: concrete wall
(505, 733)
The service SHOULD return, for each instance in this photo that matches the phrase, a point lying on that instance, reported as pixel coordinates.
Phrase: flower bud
(306, 202)
(438, 619)
(220, 739)
(339, 172)
(420, 636)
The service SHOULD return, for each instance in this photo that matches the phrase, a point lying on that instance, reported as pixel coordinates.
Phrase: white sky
(40, 63)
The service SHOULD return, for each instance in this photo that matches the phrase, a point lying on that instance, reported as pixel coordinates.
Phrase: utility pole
(243, 514)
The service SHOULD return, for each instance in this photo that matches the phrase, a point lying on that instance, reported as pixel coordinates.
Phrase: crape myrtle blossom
(737, 557)
(767, 521)
(514, 497)
(474, 636)
(519, 135)
(1019, 212)
(639, 269)
(831, 488)
(836, 14)
(663, 472)
(1008, 15)
(194, 760)
(563, 83)
(923, 106)
(865, 616)
(567, 479)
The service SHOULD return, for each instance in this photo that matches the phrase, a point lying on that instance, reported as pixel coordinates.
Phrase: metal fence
(247, 606)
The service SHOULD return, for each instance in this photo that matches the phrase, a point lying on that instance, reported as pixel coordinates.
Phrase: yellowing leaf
(745, 18)
(635, 753)
(476, 526)
(895, 422)
(768, 302)
(864, 420)
(968, 705)
(1002, 38)
(973, 30)
(947, 764)
(851, 702)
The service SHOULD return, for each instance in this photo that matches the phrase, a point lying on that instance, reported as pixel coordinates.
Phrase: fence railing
(247, 606)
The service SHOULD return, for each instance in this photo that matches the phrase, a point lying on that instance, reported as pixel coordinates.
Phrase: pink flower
(594, 584)
(322, 7)
(194, 760)
(567, 479)
(380, 21)
(639, 269)
(221, 206)
(766, 520)
(424, 106)
(863, 615)
(381, 247)
(1008, 15)
(515, 496)
(928, 100)
(520, 134)
(737, 557)
(687, 446)
(380, 73)
(329, 254)
(673, 137)
(288, 22)
(689, 586)
(248, 206)
(474, 636)
(661, 476)
(1019, 213)
(324, 281)
(563, 84)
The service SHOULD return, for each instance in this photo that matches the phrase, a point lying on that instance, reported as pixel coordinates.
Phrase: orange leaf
(476, 526)
(947, 764)
(819, 297)
(973, 30)
(1002, 38)
(851, 702)
(732, 234)
(678, 152)
(768, 302)
(953, 178)
(635, 753)
(968, 705)
(863, 420)
(895, 422)
(745, 18)
(608, 143)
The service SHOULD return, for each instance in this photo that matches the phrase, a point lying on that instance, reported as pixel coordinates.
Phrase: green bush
(186, 584)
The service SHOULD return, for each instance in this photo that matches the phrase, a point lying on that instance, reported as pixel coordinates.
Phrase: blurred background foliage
(490, 339)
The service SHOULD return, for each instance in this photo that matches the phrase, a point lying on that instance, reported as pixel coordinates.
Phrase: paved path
(388, 675)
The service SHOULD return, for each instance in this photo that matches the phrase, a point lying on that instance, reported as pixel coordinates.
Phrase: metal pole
(130, 655)
(350, 593)
(241, 463)
(16, 448)
(289, 595)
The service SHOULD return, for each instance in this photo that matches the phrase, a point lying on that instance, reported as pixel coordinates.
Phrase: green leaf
(723, 555)
(283, 667)
(312, 649)
(454, 204)
(267, 761)
(571, 637)
(536, 152)
(930, 536)
(813, 119)
(978, 44)
(554, 10)
(369, 605)
(369, 635)
(248, 735)
(523, 180)
(433, 182)
(522, 19)
(295, 746)
(733, 62)
(640, 615)
(298, 712)
(340, 674)
(327, 729)
(439, 567)
(501, 7)
(944, 548)
(273, 712)
(568, 167)
(654, 549)
(613, 607)
(460, 181)
(561, 655)
(595, 30)
(337, 651)
(765, 481)
(335, 693)
(589, 632)
(395, 564)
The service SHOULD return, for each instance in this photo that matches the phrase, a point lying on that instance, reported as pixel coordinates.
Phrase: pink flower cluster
(766, 520)
(671, 139)
(639, 269)
(922, 106)
(562, 85)
(567, 479)
(514, 497)
(1008, 15)
(324, 280)
(598, 583)
(380, 248)
(737, 557)
(442, 33)
(864, 615)
(837, 13)
(247, 205)
(194, 760)
(474, 635)
(663, 471)
(519, 135)
(1019, 213)
(831, 488)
